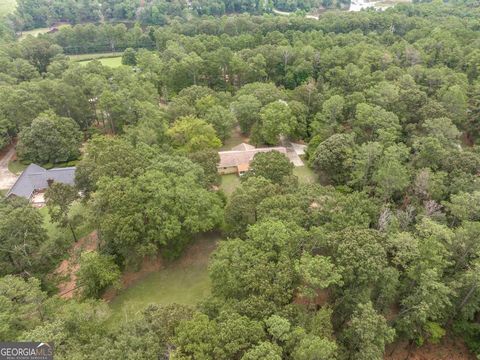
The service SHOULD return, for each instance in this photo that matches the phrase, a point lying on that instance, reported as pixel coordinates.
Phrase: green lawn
(185, 281)
(108, 61)
(16, 166)
(79, 211)
(228, 183)
(235, 139)
(34, 32)
(305, 174)
(83, 57)
(7, 6)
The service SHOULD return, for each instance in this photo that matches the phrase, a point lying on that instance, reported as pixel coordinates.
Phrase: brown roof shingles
(238, 157)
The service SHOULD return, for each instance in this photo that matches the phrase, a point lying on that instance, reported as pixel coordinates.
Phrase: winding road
(7, 179)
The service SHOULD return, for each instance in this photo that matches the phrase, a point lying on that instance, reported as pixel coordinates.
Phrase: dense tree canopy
(379, 245)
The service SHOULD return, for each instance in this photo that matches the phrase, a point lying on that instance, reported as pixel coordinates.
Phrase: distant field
(106, 61)
(7, 6)
(34, 32)
(84, 57)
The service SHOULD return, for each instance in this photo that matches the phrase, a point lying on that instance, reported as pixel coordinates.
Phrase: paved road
(7, 179)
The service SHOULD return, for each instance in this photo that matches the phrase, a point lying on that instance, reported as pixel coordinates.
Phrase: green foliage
(316, 273)
(226, 338)
(367, 334)
(333, 157)
(271, 165)
(276, 120)
(96, 273)
(59, 198)
(50, 138)
(22, 237)
(22, 306)
(388, 104)
(129, 57)
(160, 208)
(190, 134)
(315, 348)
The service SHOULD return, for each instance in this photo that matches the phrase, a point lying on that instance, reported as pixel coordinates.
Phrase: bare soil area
(68, 267)
(7, 179)
(448, 349)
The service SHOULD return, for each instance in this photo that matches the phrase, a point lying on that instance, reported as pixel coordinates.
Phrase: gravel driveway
(7, 179)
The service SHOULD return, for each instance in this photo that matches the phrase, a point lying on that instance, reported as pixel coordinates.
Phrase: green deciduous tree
(96, 273)
(189, 134)
(21, 236)
(367, 333)
(333, 157)
(276, 119)
(160, 208)
(50, 139)
(246, 109)
(272, 165)
(21, 305)
(59, 198)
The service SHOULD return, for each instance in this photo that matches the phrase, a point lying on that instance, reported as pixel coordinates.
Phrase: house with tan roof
(237, 160)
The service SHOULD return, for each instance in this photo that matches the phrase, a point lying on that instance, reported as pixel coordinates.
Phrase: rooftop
(35, 178)
(243, 154)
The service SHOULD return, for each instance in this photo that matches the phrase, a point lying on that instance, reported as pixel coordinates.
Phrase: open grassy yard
(106, 61)
(235, 139)
(305, 174)
(34, 32)
(228, 183)
(7, 6)
(185, 281)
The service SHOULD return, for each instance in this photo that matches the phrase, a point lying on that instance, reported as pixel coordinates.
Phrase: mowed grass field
(7, 7)
(108, 61)
(184, 281)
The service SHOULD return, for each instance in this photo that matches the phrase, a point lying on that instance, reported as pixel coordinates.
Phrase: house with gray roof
(34, 180)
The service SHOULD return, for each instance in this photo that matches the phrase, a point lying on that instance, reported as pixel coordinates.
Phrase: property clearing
(184, 281)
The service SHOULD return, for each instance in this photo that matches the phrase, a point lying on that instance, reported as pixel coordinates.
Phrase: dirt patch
(68, 267)
(195, 254)
(449, 348)
(7, 179)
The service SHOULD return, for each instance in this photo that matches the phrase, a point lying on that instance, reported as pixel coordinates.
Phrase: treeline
(32, 14)
(385, 248)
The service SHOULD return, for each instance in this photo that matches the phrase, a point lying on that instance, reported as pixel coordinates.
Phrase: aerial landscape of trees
(382, 248)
